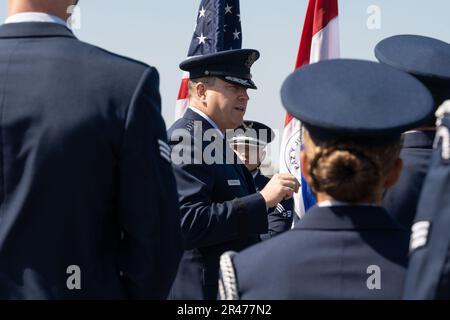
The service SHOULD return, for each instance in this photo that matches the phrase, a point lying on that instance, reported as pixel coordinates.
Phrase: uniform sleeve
(148, 208)
(205, 222)
(279, 219)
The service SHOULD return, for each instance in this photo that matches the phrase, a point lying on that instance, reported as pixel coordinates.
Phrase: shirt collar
(35, 17)
(355, 217)
(336, 203)
(210, 121)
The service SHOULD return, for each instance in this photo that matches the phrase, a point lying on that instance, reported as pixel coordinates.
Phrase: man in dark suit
(220, 207)
(88, 204)
(249, 142)
(428, 60)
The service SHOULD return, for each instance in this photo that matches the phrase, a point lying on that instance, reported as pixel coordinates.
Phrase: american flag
(319, 41)
(218, 29)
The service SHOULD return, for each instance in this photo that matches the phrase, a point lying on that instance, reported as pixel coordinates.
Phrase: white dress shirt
(35, 17)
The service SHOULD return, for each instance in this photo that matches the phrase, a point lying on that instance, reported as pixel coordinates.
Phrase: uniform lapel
(228, 153)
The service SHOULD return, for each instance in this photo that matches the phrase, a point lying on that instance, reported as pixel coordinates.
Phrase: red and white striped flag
(183, 96)
(319, 41)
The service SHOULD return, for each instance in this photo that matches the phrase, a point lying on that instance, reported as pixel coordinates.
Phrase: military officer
(428, 60)
(347, 246)
(220, 207)
(429, 266)
(249, 142)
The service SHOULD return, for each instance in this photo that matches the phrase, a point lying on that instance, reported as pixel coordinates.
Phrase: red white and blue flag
(319, 41)
(218, 29)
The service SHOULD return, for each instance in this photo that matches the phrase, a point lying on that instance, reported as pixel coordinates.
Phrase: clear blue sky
(159, 32)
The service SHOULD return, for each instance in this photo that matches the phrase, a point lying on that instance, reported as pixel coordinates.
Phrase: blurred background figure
(249, 142)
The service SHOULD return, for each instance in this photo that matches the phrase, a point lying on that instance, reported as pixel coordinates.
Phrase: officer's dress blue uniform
(220, 211)
(428, 275)
(327, 256)
(83, 163)
(401, 199)
(280, 217)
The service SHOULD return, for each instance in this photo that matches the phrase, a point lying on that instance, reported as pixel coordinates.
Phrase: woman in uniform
(347, 246)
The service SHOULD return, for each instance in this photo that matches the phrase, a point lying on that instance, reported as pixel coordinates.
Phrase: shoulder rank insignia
(189, 126)
(164, 150)
(419, 235)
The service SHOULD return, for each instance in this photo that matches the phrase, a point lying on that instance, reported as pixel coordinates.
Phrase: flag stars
(236, 34)
(228, 9)
(225, 28)
(239, 16)
(202, 12)
(201, 39)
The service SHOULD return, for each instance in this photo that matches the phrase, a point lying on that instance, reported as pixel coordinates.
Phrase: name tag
(234, 182)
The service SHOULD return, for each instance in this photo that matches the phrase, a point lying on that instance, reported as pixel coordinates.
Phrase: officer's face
(250, 155)
(228, 103)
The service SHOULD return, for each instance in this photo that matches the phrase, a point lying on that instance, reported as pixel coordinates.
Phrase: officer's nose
(243, 94)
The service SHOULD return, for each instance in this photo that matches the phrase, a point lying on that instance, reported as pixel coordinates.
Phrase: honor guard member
(88, 201)
(429, 61)
(249, 142)
(220, 207)
(429, 266)
(347, 246)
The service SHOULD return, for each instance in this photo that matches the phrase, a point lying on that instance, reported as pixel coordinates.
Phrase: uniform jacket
(332, 253)
(85, 181)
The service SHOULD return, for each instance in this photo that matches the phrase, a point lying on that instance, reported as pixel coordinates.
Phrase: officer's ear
(394, 174)
(200, 90)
